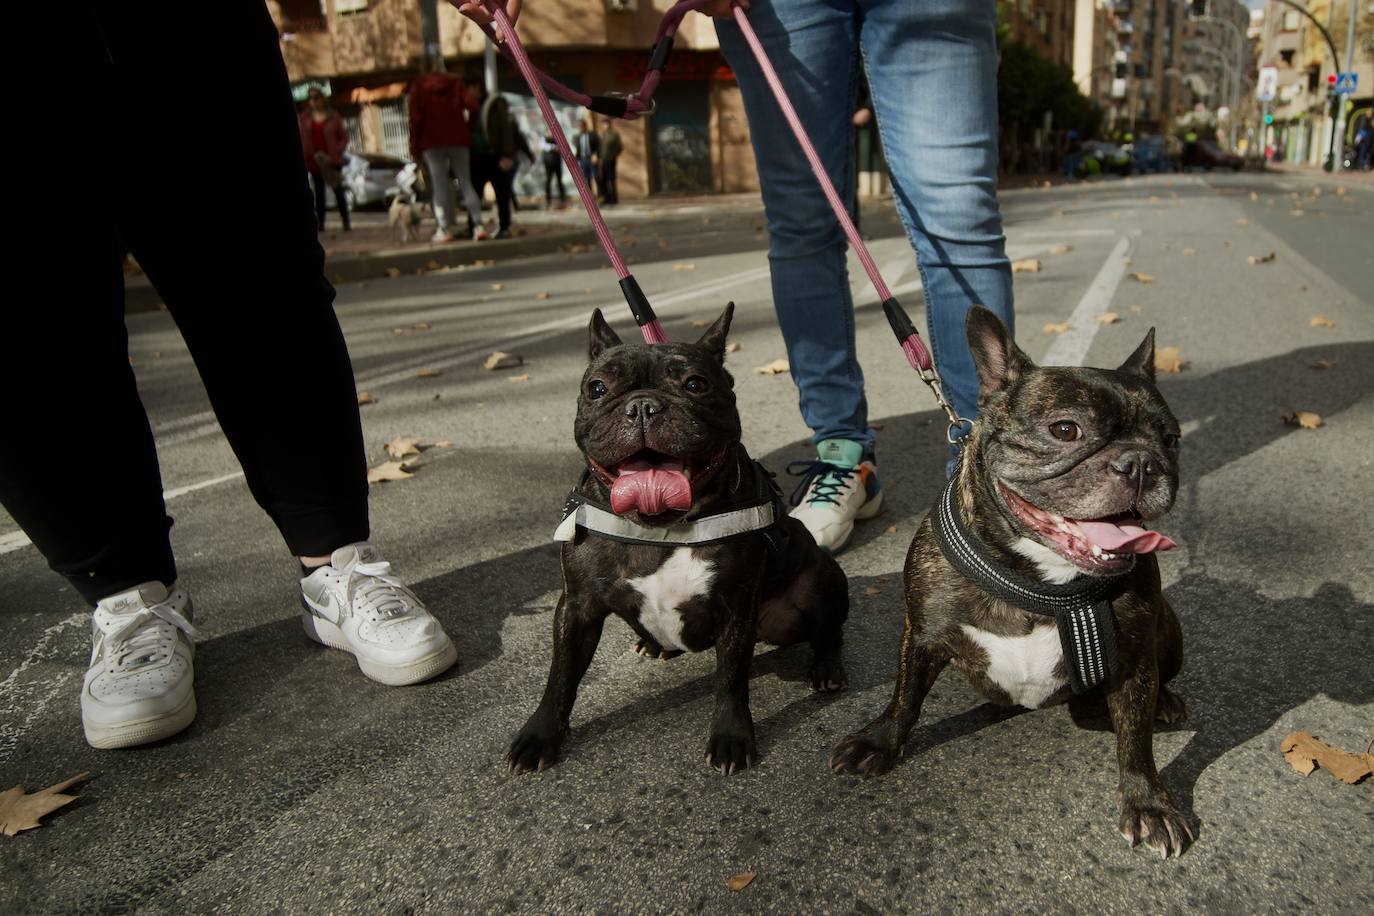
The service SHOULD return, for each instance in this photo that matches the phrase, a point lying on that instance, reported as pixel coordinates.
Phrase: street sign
(1268, 85)
(1346, 83)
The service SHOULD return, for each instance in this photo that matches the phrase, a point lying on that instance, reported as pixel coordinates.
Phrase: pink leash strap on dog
(910, 340)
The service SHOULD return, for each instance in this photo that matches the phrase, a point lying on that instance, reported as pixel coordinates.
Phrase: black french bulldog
(661, 435)
(1033, 563)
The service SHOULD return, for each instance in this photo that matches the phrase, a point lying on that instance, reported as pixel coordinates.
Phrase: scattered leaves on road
(402, 447)
(389, 470)
(365, 397)
(429, 373)
(1254, 195)
(503, 360)
(393, 272)
(1305, 753)
(1189, 252)
(1262, 258)
(1321, 321)
(1137, 308)
(732, 347)
(1303, 418)
(682, 267)
(1141, 278)
(1168, 360)
(444, 443)
(891, 529)
(877, 426)
(520, 378)
(484, 262)
(776, 367)
(1061, 248)
(19, 811)
(421, 325)
(741, 881)
(497, 287)
(541, 296)
(1108, 318)
(1242, 222)
(1323, 364)
(1026, 266)
(1059, 328)
(701, 322)
(1295, 212)
(871, 591)
(432, 264)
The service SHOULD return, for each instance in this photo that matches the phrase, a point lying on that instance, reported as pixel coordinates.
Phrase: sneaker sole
(325, 633)
(143, 731)
(868, 510)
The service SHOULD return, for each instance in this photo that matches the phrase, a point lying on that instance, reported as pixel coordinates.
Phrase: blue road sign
(1346, 83)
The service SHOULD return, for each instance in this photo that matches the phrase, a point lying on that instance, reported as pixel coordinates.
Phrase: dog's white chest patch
(682, 577)
(1023, 666)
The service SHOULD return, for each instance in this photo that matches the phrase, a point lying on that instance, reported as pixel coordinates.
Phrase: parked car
(1151, 154)
(369, 179)
(1209, 156)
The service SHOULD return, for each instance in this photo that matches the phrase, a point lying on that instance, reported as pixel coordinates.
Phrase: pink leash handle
(639, 303)
(911, 342)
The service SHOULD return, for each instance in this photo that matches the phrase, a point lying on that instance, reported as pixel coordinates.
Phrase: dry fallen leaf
(680, 267)
(870, 591)
(1108, 318)
(1295, 212)
(421, 325)
(503, 360)
(1254, 195)
(484, 262)
(1026, 266)
(498, 286)
(1167, 359)
(1304, 418)
(740, 882)
(732, 347)
(891, 529)
(393, 272)
(541, 295)
(1242, 222)
(1305, 753)
(1321, 321)
(397, 332)
(429, 373)
(365, 397)
(776, 367)
(520, 378)
(875, 426)
(432, 264)
(1262, 258)
(1323, 364)
(1137, 308)
(1059, 328)
(21, 812)
(1189, 252)
(389, 470)
(701, 322)
(1060, 249)
(446, 443)
(1142, 278)
(401, 446)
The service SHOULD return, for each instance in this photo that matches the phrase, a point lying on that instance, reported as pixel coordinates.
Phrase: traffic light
(1330, 81)
(1268, 119)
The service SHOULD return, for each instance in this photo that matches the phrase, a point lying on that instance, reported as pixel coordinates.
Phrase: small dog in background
(405, 215)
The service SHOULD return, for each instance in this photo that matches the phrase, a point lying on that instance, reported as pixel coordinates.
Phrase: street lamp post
(1331, 159)
(1338, 134)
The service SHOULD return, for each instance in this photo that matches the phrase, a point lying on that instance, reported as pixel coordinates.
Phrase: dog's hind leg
(812, 608)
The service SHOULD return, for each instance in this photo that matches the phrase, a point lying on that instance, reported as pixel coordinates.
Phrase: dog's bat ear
(600, 337)
(998, 359)
(1142, 361)
(714, 338)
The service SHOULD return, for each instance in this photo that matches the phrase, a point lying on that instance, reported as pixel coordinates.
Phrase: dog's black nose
(1136, 464)
(642, 407)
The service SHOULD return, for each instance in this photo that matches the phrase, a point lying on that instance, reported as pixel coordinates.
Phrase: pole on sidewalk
(1339, 139)
(429, 35)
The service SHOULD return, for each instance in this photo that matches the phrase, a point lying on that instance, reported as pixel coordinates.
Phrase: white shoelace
(135, 644)
(381, 592)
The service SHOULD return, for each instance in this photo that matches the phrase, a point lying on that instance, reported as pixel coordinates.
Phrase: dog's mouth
(1106, 544)
(655, 485)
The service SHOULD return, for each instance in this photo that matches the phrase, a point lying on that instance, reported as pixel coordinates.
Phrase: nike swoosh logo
(322, 608)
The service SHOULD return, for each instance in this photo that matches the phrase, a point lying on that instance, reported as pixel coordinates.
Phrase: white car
(369, 179)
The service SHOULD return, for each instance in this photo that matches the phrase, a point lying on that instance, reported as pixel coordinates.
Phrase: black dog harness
(759, 512)
(1082, 608)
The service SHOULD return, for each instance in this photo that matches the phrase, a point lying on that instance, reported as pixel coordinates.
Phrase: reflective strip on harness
(688, 534)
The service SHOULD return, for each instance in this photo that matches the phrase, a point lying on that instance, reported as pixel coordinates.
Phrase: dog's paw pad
(1158, 826)
(862, 756)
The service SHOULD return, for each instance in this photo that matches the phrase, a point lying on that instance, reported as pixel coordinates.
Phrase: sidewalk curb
(140, 296)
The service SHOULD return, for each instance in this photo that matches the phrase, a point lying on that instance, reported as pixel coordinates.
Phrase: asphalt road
(304, 787)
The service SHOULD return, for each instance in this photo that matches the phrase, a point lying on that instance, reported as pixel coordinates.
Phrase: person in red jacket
(324, 138)
(440, 138)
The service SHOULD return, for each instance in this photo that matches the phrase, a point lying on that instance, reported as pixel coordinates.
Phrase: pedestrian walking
(553, 171)
(323, 140)
(441, 139)
(493, 151)
(610, 144)
(587, 146)
(262, 332)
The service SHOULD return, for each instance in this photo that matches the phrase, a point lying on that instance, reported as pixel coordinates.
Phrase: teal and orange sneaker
(836, 489)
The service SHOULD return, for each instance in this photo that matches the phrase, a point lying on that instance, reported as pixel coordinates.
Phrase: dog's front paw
(1157, 824)
(1170, 708)
(730, 748)
(827, 674)
(650, 649)
(861, 755)
(535, 748)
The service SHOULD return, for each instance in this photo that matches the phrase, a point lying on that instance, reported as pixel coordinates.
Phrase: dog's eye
(1066, 430)
(697, 385)
(596, 388)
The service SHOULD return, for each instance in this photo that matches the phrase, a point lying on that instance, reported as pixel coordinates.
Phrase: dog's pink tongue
(650, 489)
(1123, 538)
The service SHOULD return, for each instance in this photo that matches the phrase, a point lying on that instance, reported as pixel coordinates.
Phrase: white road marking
(1069, 348)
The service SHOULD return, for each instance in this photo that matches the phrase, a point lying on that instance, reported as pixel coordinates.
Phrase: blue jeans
(932, 71)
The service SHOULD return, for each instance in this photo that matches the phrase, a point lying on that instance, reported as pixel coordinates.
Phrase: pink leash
(633, 106)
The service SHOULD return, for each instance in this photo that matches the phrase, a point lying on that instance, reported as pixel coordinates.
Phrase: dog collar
(759, 513)
(1081, 608)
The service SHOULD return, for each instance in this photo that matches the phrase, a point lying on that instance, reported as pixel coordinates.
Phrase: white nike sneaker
(353, 603)
(139, 686)
(839, 488)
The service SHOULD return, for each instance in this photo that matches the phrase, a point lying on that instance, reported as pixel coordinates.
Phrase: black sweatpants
(246, 288)
(486, 168)
(340, 200)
